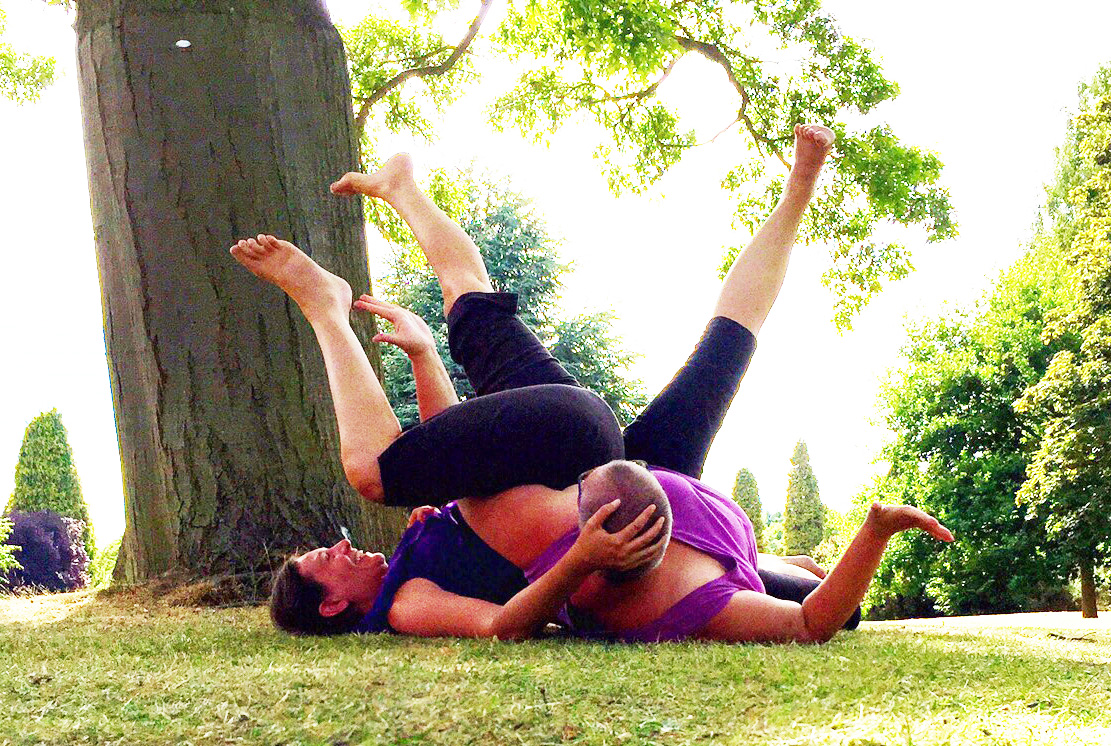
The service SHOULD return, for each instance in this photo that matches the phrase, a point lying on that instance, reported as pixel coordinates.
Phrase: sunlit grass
(121, 669)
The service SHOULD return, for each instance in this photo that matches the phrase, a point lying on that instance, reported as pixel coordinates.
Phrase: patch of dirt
(44, 608)
(169, 595)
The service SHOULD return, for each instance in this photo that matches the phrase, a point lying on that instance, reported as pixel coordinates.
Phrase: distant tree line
(1002, 414)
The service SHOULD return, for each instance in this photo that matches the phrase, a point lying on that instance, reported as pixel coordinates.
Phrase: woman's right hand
(420, 515)
(410, 332)
(598, 549)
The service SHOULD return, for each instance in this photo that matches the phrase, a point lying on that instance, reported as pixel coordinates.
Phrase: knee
(466, 282)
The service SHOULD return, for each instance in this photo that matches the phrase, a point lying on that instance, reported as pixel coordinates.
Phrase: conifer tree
(803, 513)
(45, 477)
(747, 495)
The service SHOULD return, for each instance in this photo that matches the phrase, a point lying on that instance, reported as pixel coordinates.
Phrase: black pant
(532, 422)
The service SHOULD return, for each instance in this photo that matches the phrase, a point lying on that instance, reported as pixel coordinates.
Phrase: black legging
(532, 423)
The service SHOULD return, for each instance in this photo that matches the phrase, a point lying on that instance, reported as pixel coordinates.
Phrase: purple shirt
(445, 550)
(707, 521)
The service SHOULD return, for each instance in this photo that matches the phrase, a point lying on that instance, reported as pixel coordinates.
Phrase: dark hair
(295, 605)
(637, 489)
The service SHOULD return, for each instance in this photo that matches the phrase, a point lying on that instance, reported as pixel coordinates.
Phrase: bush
(101, 567)
(45, 477)
(7, 558)
(50, 550)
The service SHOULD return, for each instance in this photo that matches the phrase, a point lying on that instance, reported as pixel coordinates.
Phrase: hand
(891, 519)
(623, 550)
(410, 333)
(806, 563)
(421, 514)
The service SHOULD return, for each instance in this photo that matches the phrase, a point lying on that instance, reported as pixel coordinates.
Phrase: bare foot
(891, 519)
(316, 290)
(813, 143)
(397, 172)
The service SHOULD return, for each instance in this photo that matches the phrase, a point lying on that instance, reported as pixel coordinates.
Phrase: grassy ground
(125, 669)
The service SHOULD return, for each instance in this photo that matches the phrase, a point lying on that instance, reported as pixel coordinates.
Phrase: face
(349, 576)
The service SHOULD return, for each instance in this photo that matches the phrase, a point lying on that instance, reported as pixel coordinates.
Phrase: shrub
(101, 566)
(45, 477)
(7, 558)
(50, 551)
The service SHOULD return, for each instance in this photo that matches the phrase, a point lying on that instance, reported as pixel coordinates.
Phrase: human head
(634, 485)
(325, 591)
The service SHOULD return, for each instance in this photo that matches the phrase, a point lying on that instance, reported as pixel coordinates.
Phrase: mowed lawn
(128, 669)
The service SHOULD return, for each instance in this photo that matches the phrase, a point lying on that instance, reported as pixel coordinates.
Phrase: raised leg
(451, 252)
(754, 280)
(367, 425)
(676, 429)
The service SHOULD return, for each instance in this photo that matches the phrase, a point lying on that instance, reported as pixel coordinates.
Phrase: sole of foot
(813, 144)
(395, 174)
(313, 288)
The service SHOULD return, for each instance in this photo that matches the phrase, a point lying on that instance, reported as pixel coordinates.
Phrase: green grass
(121, 669)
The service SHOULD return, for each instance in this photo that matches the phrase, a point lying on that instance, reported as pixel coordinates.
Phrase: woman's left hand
(410, 332)
(623, 550)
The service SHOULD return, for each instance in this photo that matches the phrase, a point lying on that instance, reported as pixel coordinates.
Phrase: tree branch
(714, 53)
(425, 71)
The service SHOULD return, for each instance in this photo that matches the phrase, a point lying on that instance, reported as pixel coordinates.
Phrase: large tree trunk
(225, 425)
(1088, 590)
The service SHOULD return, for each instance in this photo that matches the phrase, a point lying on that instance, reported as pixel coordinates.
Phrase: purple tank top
(707, 521)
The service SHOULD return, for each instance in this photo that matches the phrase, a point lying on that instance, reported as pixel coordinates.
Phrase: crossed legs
(367, 425)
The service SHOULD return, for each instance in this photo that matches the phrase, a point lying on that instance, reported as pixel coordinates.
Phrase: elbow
(363, 474)
(497, 628)
(813, 633)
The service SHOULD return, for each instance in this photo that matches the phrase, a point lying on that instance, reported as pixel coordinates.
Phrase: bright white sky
(987, 88)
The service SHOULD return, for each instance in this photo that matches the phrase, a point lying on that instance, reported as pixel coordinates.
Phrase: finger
(637, 524)
(390, 339)
(818, 570)
(371, 299)
(650, 537)
(385, 310)
(938, 531)
(601, 514)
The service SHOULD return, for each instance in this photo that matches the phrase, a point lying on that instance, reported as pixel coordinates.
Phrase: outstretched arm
(755, 617)
(424, 609)
(435, 392)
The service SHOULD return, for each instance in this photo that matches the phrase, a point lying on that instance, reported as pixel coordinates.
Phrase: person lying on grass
(511, 551)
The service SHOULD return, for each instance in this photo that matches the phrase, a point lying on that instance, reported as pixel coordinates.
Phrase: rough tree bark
(225, 425)
(1088, 590)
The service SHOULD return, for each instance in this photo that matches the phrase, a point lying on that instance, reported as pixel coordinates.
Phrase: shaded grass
(121, 669)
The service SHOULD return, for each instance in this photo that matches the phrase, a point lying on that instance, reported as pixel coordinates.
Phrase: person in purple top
(509, 553)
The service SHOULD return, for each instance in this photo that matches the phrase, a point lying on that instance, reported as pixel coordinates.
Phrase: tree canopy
(605, 63)
(960, 450)
(22, 76)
